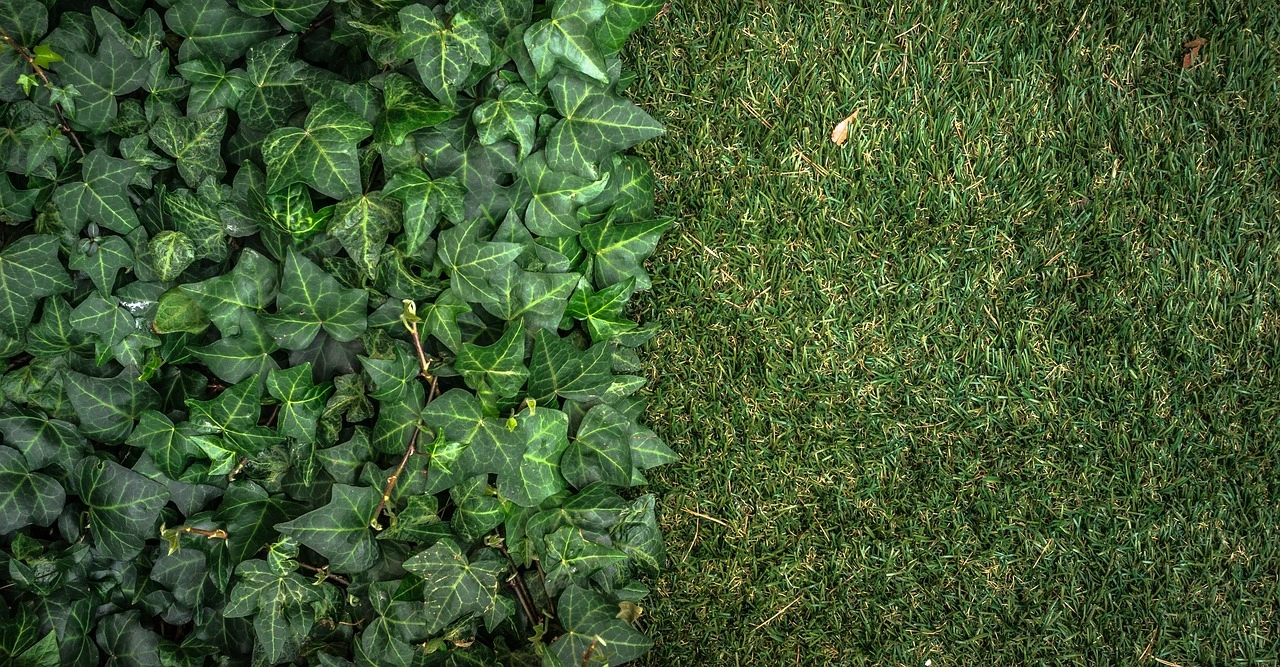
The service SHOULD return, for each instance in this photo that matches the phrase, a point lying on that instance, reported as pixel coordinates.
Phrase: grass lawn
(996, 382)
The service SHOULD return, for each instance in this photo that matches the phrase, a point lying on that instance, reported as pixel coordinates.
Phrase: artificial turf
(994, 383)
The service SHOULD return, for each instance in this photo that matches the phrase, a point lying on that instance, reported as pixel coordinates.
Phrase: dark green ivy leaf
(557, 368)
(340, 530)
(407, 109)
(321, 155)
(591, 620)
(214, 30)
(29, 271)
(102, 258)
(545, 433)
(425, 202)
(294, 15)
(499, 366)
(455, 586)
(601, 452)
(301, 401)
(310, 300)
(444, 54)
(195, 141)
(123, 506)
(595, 124)
(102, 194)
(108, 407)
(566, 38)
(362, 224)
(26, 496)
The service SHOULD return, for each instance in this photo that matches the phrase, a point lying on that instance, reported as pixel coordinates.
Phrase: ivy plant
(314, 329)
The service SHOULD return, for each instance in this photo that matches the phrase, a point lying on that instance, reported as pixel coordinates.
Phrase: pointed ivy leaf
(195, 141)
(237, 408)
(123, 506)
(491, 446)
(537, 299)
(102, 259)
(98, 79)
(26, 497)
(284, 602)
(248, 353)
(443, 54)
(363, 224)
(480, 169)
(102, 195)
(566, 38)
(123, 638)
(199, 221)
(425, 202)
(53, 335)
(103, 318)
(545, 433)
(107, 407)
(323, 155)
(44, 442)
(301, 401)
(601, 452)
(212, 86)
(250, 516)
(29, 271)
(591, 620)
(392, 377)
(621, 19)
(470, 260)
(25, 22)
(554, 196)
(167, 445)
(618, 250)
(294, 15)
(629, 194)
(639, 537)
(514, 115)
(596, 123)
(559, 369)
(214, 30)
(251, 286)
(407, 109)
(571, 559)
(274, 91)
(171, 253)
(398, 419)
(476, 510)
(500, 365)
(499, 17)
(311, 299)
(603, 311)
(455, 587)
(340, 530)
(441, 319)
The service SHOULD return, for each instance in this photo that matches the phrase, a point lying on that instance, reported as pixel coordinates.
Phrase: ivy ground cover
(313, 320)
(997, 381)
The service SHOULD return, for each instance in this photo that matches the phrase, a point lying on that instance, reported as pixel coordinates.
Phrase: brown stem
(586, 655)
(337, 579)
(395, 476)
(66, 128)
(422, 356)
(231, 476)
(218, 534)
(522, 593)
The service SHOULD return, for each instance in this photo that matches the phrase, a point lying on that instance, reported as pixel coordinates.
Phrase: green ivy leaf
(212, 86)
(171, 253)
(322, 155)
(622, 18)
(362, 224)
(44, 442)
(595, 123)
(603, 310)
(545, 433)
(199, 221)
(591, 620)
(601, 452)
(250, 287)
(29, 271)
(538, 299)
(195, 141)
(26, 496)
(108, 407)
(499, 366)
(169, 447)
(102, 194)
(274, 91)
(491, 446)
(570, 558)
(566, 38)
(407, 109)
(301, 401)
(443, 53)
(98, 79)
(629, 195)
(178, 312)
(470, 261)
(214, 30)
(340, 531)
(557, 368)
(101, 259)
(618, 250)
(454, 586)
(554, 197)
(123, 506)
(294, 15)
(311, 300)
(284, 603)
(425, 202)
(513, 115)
(499, 17)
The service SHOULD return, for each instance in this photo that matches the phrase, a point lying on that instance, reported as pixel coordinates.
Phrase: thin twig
(231, 476)
(704, 516)
(66, 128)
(395, 476)
(218, 534)
(586, 655)
(336, 578)
(517, 584)
(780, 612)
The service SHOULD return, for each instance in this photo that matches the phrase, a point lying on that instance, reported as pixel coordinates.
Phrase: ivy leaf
(555, 196)
(310, 300)
(441, 319)
(454, 587)
(571, 559)
(538, 299)
(44, 442)
(123, 506)
(425, 202)
(557, 368)
(99, 79)
(477, 511)
(29, 271)
(212, 86)
(199, 221)
(622, 18)
(26, 496)
(363, 224)
(545, 433)
(514, 115)
(444, 55)
(122, 637)
(323, 155)
(168, 446)
(102, 195)
(250, 515)
(499, 17)
(618, 250)
(195, 141)
(601, 452)
(629, 195)
(102, 258)
(171, 253)
(178, 312)
(301, 401)
(491, 446)
(406, 109)
(340, 530)
(104, 319)
(25, 22)
(397, 419)
(108, 407)
(470, 261)
(234, 358)
(479, 168)
(499, 366)
(294, 15)
(591, 620)
(595, 123)
(284, 602)
(603, 310)
(274, 91)
(214, 30)
(566, 38)
(251, 286)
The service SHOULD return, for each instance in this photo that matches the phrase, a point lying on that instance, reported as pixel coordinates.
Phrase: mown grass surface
(994, 383)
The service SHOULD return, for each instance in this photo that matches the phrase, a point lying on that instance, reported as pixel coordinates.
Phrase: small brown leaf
(629, 611)
(1189, 59)
(841, 133)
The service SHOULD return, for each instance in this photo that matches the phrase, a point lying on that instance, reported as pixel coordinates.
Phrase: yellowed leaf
(841, 133)
(629, 611)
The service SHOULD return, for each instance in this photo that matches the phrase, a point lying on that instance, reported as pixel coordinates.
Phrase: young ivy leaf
(362, 224)
(195, 141)
(406, 109)
(321, 155)
(566, 38)
(311, 300)
(499, 366)
(425, 202)
(444, 54)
